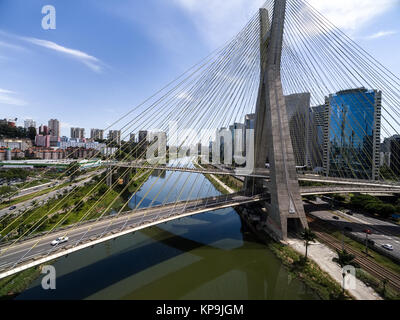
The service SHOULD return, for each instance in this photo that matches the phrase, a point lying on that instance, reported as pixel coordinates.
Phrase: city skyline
(105, 83)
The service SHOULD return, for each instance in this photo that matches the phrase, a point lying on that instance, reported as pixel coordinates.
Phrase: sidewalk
(322, 255)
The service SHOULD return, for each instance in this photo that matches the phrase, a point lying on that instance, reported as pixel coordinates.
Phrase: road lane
(25, 251)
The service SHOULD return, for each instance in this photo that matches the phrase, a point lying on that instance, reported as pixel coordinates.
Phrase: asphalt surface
(27, 205)
(383, 232)
(18, 253)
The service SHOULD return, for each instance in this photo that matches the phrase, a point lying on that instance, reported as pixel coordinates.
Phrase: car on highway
(336, 218)
(367, 231)
(12, 208)
(59, 241)
(388, 247)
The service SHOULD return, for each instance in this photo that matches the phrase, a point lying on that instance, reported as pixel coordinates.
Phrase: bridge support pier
(272, 136)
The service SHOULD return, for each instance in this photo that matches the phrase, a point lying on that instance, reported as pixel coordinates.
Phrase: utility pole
(343, 240)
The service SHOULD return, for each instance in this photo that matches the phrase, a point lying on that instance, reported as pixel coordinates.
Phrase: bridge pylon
(272, 135)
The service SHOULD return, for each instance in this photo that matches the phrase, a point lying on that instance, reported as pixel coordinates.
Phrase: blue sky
(106, 56)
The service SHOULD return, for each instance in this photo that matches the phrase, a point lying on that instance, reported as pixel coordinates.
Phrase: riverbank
(321, 282)
(12, 286)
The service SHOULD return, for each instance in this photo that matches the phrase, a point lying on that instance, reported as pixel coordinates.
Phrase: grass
(382, 260)
(308, 272)
(34, 183)
(229, 181)
(12, 286)
(385, 292)
(70, 209)
(32, 196)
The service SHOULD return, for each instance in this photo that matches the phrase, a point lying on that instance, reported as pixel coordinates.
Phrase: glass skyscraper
(352, 134)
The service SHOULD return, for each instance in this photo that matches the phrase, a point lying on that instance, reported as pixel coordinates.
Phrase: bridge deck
(264, 174)
(22, 256)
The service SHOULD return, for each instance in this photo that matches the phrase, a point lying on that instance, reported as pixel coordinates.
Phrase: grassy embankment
(14, 285)
(32, 196)
(65, 210)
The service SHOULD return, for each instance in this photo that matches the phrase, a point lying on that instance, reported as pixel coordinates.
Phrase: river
(207, 256)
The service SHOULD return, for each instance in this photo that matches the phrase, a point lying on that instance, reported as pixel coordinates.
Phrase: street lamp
(366, 242)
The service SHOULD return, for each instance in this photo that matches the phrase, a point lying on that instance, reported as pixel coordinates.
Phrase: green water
(208, 256)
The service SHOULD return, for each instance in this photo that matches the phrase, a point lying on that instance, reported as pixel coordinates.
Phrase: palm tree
(345, 259)
(308, 236)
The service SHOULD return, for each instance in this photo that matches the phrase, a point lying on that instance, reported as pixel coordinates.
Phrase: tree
(73, 170)
(345, 259)
(6, 192)
(308, 236)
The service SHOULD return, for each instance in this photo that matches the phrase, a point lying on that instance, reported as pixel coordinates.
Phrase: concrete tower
(272, 133)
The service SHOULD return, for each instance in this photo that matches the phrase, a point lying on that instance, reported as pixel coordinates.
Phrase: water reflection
(208, 256)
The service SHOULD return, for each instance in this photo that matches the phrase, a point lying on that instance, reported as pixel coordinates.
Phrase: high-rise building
(77, 133)
(297, 109)
(132, 137)
(97, 134)
(29, 123)
(352, 133)
(43, 130)
(54, 128)
(143, 136)
(114, 136)
(316, 137)
(395, 154)
(238, 131)
(249, 124)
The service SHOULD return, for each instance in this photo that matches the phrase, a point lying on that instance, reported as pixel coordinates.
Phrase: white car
(59, 241)
(388, 247)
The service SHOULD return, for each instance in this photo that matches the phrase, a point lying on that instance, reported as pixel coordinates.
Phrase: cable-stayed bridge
(287, 58)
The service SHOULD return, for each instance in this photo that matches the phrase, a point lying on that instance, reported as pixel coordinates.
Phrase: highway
(27, 205)
(383, 232)
(39, 247)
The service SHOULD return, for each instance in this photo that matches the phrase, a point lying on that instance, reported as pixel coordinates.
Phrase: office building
(395, 155)
(316, 137)
(143, 136)
(297, 109)
(352, 130)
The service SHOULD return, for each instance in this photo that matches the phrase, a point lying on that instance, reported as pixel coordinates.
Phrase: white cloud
(219, 20)
(90, 61)
(352, 15)
(381, 34)
(11, 46)
(9, 97)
